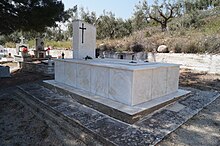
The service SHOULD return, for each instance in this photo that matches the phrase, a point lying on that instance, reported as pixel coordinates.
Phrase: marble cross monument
(84, 40)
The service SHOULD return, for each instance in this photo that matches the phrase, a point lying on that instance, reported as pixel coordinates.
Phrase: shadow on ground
(202, 129)
(20, 77)
(199, 80)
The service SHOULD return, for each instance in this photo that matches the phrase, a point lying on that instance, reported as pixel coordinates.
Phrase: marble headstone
(40, 52)
(84, 39)
(39, 44)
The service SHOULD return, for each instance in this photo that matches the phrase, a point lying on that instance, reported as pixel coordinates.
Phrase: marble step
(120, 111)
(95, 128)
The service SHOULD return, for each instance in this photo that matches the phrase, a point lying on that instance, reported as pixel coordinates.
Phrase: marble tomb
(121, 81)
(130, 83)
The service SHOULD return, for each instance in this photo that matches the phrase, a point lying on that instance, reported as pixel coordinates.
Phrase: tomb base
(40, 53)
(120, 111)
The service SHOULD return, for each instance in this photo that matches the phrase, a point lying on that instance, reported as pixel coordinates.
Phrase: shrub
(211, 44)
(136, 47)
(190, 48)
(107, 47)
(147, 34)
(177, 48)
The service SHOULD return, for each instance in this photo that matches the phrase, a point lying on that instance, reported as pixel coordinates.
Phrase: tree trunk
(164, 26)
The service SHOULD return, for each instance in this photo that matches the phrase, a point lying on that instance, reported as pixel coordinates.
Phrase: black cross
(83, 29)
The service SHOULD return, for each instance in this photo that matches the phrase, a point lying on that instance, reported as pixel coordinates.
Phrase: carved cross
(22, 40)
(83, 29)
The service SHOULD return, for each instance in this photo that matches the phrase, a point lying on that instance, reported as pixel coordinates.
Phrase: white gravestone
(84, 40)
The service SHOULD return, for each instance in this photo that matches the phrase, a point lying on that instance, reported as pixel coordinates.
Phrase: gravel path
(201, 130)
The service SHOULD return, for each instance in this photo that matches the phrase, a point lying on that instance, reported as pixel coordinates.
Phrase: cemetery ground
(20, 126)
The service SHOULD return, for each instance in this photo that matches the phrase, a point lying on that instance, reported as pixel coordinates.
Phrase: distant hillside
(198, 32)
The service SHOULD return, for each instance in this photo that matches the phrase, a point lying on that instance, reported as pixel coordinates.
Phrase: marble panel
(120, 84)
(142, 86)
(70, 73)
(59, 71)
(172, 79)
(83, 77)
(159, 82)
(100, 81)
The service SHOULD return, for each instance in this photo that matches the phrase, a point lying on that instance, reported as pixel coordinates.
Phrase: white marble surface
(159, 81)
(131, 110)
(87, 48)
(99, 81)
(172, 79)
(142, 86)
(70, 74)
(59, 71)
(118, 63)
(83, 79)
(120, 86)
(127, 84)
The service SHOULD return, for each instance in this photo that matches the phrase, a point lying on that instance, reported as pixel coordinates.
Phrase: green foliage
(108, 26)
(211, 44)
(160, 13)
(212, 27)
(193, 19)
(29, 15)
(59, 44)
(139, 20)
(193, 5)
(89, 17)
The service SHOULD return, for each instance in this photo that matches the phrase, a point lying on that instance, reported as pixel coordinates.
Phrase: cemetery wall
(54, 53)
(204, 62)
(67, 53)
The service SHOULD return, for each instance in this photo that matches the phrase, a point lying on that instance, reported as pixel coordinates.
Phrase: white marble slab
(100, 81)
(83, 44)
(59, 71)
(70, 74)
(120, 86)
(172, 79)
(119, 64)
(159, 82)
(142, 86)
(83, 77)
(121, 82)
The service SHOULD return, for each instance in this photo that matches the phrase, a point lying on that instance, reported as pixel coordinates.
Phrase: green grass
(213, 26)
(59, 44)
